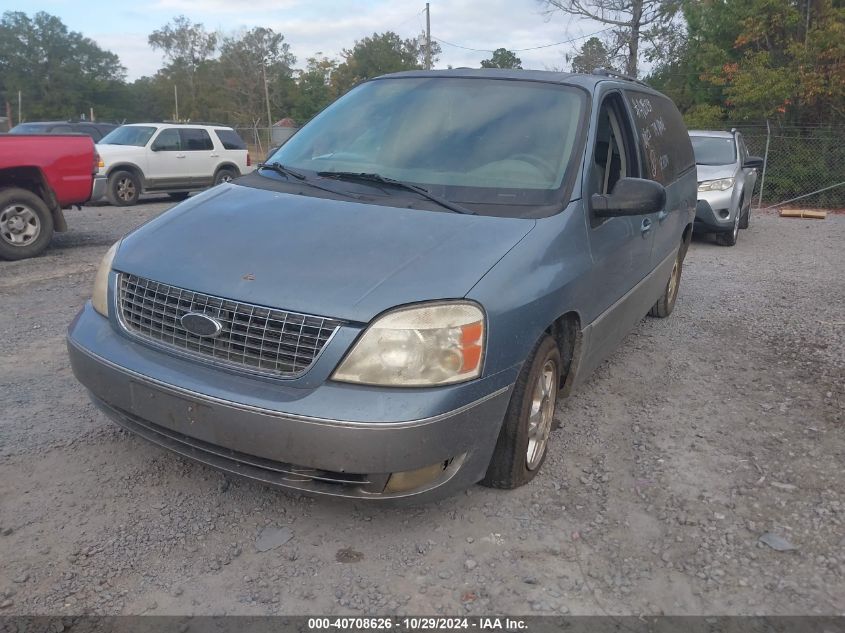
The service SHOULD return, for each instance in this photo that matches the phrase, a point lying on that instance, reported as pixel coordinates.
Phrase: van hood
(715, 172)
(332, 258)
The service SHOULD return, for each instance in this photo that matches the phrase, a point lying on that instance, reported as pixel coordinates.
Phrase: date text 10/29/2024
(416, 624)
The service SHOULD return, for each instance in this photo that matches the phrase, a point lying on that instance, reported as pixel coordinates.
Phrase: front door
(620, 246)
(201, 157)
(167, 166)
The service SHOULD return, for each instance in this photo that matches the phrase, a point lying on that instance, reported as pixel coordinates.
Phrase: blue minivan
(390, 307)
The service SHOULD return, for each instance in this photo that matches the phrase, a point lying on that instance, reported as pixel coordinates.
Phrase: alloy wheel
(540, 417)
(125, 189)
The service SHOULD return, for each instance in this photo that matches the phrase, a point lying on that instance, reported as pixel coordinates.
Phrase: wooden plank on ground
(803, 213)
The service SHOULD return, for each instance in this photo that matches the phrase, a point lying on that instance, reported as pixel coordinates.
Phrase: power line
(520, 50)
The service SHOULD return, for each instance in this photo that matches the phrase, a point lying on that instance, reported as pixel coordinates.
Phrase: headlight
(100, 296)
(716, 185)
(425, 345)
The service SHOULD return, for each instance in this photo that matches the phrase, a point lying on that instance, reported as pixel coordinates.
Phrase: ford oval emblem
(200, 324)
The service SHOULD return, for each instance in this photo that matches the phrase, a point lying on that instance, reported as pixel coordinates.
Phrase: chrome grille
(253, 338)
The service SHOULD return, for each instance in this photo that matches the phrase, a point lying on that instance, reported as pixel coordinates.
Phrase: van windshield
(137, 135)
(483, 141)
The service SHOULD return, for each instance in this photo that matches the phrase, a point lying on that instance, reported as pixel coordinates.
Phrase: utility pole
(427, 36)
(176, 99)
(20, 116)
(267, 101)
(807, 24)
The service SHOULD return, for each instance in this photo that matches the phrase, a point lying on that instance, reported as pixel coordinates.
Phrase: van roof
(577, 79)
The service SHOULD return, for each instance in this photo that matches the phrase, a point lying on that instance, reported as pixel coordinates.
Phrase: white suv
(168, 158)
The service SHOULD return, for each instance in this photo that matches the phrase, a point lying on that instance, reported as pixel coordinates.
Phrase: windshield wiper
(302, 178)
(281, 169)
(425, 193)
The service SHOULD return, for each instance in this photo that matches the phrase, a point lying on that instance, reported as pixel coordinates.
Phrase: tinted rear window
(194, 139)
(230, 139)
(663, 136)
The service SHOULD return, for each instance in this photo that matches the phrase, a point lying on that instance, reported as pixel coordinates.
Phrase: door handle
(662, 216)
(215, 155)
(645, 227)
(180, 156)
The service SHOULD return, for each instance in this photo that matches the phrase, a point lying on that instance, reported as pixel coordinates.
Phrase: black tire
(179, 195)
(729, 238)
(26, 224)
(745, 219)
(509, 466)
(666, 303)
(124, 189)
(225, 174)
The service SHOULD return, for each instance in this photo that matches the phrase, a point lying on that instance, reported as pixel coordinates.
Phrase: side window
(613, 157)
(666, 146)
(90, 130)
(230, 139)
(195, 140)
(61, 129)
(167, 141)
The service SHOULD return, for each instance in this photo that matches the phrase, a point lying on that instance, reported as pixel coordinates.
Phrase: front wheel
(26, 224)
(124, 189)
(224, 174)
(666, 303)
(521, 448)
(728, 238)
(745, 220)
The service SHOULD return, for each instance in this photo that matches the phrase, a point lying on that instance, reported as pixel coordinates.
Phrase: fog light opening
(723, 213)
(410, 479)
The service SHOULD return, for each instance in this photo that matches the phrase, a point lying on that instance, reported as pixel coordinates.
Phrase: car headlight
(716, 185)
(424, 345)
(100, 296)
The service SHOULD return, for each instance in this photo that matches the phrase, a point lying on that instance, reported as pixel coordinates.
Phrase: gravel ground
(702, 433)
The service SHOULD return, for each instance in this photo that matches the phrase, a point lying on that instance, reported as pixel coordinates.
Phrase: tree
(592, 54)
(60, 73)
(502, 58)
(187, 45)
(758, 59)
(314, 87)
(245, 61)
(630, 22)
(377, 55)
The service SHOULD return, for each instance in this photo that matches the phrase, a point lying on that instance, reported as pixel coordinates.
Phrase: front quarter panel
(537, 281)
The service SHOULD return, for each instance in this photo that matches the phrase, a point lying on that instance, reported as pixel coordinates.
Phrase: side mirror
(630, 196)
(754, 162)
(155, 148)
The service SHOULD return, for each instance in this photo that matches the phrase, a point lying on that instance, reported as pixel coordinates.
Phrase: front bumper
(98, 191)
(715, 211)
(190, 409)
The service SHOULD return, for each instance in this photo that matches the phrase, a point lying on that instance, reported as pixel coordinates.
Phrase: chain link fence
(804, 166)
(260, 140)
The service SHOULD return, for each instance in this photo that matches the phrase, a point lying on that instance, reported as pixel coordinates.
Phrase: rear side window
(194, 140)
(230, 139)
(666, 146)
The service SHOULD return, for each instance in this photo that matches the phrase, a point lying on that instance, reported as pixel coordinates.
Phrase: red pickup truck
(40, 176)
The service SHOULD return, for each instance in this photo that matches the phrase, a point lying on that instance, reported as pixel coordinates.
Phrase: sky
(328, 26)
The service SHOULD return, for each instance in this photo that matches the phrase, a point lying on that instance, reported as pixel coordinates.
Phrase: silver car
(726, 178)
